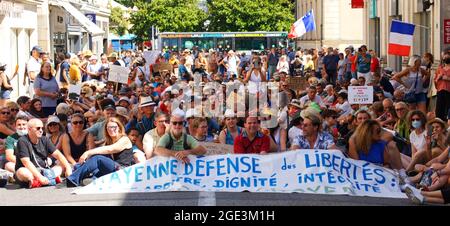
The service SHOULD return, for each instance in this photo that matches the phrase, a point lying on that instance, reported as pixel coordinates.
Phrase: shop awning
(90, 27)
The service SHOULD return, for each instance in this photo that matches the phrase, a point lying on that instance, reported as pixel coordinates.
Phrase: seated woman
(439, 180)
(231, 130)
(436, 193)
(36, 110)
(417, 138)
(78, 141)
(117, 153)
(55, 131)
(367, 144)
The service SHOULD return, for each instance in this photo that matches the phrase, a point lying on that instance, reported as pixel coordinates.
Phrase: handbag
(410, 97)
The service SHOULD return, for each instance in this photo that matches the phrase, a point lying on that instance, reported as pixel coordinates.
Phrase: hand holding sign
(118, 74)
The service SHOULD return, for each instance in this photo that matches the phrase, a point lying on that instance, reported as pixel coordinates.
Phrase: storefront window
(170, 43)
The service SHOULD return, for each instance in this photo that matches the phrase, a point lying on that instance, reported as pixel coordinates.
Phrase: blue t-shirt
(47, 85)
(64, 67)
(364, 67)
(331, 62)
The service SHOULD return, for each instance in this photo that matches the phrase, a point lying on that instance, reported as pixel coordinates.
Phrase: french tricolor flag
(303, 25)
(401, 38)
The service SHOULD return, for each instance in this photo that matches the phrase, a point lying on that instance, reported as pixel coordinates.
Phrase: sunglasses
(14, 109)
(164, 121)
(177, 123)
(112, 127)
(77, 122)
(52, 124)
(39, 128)
(6, 112)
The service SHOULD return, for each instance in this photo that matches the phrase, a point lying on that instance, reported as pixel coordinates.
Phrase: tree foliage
(167, 15)
(250, 15)
(118, 25)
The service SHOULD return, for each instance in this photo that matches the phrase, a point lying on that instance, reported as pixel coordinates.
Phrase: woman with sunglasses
(78, 141)
(367, 144)
(54, 131)
(14, 108)
(6, 128)
(116, 154)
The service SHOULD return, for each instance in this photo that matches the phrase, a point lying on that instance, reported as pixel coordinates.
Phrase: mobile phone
(430, 130)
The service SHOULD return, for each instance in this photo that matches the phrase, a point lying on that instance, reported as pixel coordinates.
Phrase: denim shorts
(5, 94)
(421, 98)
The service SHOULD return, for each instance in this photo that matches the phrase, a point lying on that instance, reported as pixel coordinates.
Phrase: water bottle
(425, 181)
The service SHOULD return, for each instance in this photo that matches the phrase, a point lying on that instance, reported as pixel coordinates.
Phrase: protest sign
(302, 171)
(150, 57)
(118, 74)
(74, 91)
(297, 83)
(217, 149)
(360, 94)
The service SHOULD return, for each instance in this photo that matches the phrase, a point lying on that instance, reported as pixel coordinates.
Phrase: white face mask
(22, 132)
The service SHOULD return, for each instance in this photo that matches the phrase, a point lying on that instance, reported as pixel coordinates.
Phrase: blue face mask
(416, 124)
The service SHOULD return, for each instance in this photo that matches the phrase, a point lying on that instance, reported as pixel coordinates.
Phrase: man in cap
(33, 68)
(97, 130)
(143, 121)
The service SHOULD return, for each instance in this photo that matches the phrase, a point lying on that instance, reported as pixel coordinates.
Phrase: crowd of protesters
(51, 133)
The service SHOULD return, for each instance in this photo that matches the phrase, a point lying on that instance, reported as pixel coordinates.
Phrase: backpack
(186, 146)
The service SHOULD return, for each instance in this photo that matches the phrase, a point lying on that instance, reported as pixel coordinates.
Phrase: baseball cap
(109, 106)
(38, 49)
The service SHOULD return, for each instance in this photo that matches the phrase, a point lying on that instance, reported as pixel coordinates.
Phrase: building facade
(337, 24)
(19, 33)
(428, 35)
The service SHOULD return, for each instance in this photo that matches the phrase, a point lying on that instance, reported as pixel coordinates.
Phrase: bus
(239, 41)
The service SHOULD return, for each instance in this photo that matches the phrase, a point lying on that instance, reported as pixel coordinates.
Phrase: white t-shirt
(418, 141)
(34, 65)
(304, 100)
(345, 107)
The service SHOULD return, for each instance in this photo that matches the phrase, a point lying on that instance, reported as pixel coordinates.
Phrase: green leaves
(250, 15)
(118, 25)
(222, 15)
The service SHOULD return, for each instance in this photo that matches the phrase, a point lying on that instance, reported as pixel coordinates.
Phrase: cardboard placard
(297, 83)
(162, 67)
(118, 74)
(360, 94)
(74, 91)
(217, 149)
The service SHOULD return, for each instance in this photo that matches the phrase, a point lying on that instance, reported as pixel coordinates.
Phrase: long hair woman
(367, 144)
(415, 79)
(78, 141)
(36, 109)
(116, 154)
(47, 89)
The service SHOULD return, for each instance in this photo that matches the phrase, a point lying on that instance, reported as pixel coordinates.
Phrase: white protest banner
(118, 74)
(303, 171)
(217, 149)
(360, 94)
(150, 56)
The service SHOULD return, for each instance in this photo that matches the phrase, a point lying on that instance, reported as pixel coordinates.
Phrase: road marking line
(206, 198)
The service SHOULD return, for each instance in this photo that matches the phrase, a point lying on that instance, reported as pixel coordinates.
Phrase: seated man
(313, 137)
(251, 140)
(32, 152)
(311, 97)
(177, 143)
(11, 142)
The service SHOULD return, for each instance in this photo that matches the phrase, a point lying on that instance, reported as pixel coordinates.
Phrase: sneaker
(35, 184)
(70, 184)
(414, 194)
(87, 181)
